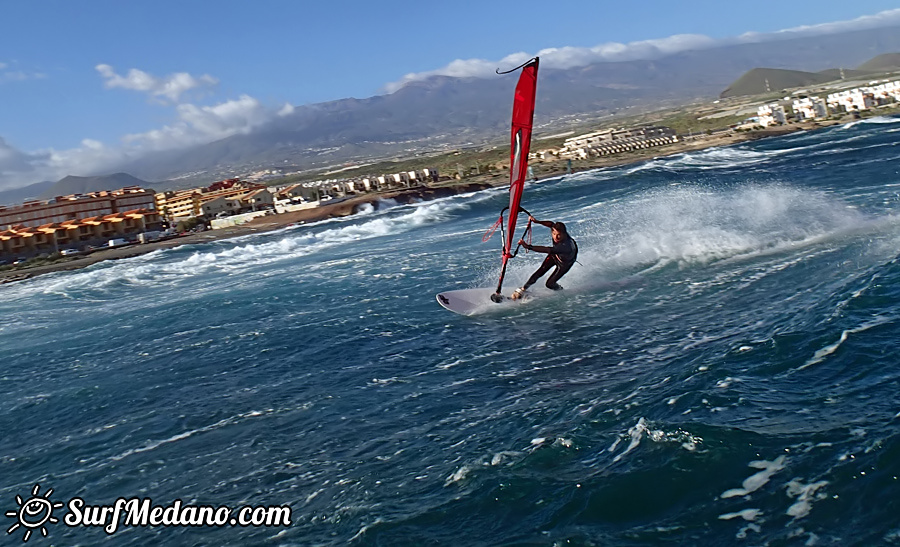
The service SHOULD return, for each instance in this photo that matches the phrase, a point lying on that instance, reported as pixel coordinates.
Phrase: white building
(885, 92)
(851, 100)
(770, 114)
(613, 141)
(810, 108)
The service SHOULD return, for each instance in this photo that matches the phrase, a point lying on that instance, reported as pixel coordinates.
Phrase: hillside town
(82, 223)
(811, 107)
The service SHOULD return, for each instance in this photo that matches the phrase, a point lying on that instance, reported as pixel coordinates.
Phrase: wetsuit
(562, 255)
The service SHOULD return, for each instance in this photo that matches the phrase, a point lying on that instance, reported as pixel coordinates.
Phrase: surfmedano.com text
(139, 512)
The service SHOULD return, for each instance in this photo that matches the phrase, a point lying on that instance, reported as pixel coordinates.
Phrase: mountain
(765, 80)
(18, 195)
(443, 112)
(72, 185)
(882, 63)
(83, 185)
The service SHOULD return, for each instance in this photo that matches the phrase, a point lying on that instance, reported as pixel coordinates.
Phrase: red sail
(522, 120)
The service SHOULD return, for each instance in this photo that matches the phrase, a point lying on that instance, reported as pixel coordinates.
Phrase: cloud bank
(571, 57)
(204, 124)
(192, 125)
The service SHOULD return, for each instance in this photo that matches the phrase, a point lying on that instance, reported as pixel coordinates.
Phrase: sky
(87, 85)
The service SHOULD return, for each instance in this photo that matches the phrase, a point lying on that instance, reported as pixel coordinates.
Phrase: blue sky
(84, 85)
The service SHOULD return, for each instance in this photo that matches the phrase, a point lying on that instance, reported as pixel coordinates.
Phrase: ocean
(720, 368)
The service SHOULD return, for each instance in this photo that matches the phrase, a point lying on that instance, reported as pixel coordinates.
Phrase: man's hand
(531, 218)
(522, 243)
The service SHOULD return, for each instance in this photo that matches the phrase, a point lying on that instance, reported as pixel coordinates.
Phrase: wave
(693, 225)
(710, 158)
(698, 225)
(878, 120)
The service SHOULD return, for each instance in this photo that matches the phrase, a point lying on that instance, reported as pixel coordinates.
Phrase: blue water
(720, 369)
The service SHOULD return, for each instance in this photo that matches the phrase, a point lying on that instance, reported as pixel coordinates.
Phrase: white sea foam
(746, 514)
(805, 494)
(640, 430)
(692, 224)
(757, 480)
(878, 120)
(458, 475)
(708, 159)
(153, 445)
(823, 353)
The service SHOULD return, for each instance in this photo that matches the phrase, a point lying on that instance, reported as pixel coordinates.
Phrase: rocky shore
(350, 206)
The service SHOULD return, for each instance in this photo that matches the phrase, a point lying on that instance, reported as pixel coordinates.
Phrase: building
(184, 204)
(810, 108)
(257, 200)
(215, 207)
(35, 213)
(885, 92)
(24, 241)
(613, 141)
(770, 114)
(851, 100)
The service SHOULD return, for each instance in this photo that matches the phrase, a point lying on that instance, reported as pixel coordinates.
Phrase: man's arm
(547, 223)
(536, 248)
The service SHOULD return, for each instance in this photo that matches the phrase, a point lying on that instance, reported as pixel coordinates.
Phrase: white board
(470, 301)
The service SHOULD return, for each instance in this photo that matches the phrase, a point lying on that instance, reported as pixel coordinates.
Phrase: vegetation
(448, 164)
(188, 225)
(685, 123)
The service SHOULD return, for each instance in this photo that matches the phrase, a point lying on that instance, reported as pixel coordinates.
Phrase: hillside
(18, 195)
(764, 80)
(882, 63)
(83, 185)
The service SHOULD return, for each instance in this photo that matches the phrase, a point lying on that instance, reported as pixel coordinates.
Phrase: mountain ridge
(452, 112)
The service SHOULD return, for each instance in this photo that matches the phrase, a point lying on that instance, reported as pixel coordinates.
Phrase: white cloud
(194, 125)
(203, 124)
(882, 19)
(10, 74)
(12, 160)
(170, 87)
(286, 110)
(19, 169)
(571, 57)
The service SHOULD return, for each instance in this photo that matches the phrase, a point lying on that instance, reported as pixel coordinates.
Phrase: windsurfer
(562, 255)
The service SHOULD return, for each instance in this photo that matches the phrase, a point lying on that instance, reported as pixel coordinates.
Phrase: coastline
(349, 206)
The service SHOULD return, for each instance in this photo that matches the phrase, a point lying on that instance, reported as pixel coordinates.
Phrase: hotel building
(75, 221)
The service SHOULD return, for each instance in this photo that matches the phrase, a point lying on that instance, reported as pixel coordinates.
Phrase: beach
(349, 206)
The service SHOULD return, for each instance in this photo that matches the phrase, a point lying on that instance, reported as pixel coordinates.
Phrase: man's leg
(544, 268)
(557, 275)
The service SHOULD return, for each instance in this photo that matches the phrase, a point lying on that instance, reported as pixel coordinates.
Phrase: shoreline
(350, 206)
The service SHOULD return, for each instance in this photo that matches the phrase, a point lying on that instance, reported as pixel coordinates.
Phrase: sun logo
(34, 512)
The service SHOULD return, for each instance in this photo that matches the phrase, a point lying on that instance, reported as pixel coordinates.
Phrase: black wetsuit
(562, 255)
